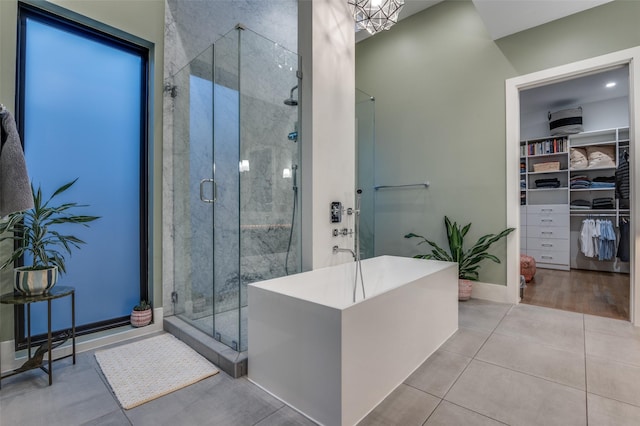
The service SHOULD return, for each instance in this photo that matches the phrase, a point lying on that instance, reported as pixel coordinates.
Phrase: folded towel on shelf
(580, 205)
(580, 184)
(611, 179)
(603, 185)
(579, 158)
(602, 203)
(15, 188)
(547, 183)
(601, 156)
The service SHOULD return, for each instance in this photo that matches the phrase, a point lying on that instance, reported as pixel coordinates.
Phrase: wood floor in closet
(605, 294)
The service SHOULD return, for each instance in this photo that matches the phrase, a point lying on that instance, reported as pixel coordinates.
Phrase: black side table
(35, 360)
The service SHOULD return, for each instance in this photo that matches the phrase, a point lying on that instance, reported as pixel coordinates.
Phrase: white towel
(15, 189)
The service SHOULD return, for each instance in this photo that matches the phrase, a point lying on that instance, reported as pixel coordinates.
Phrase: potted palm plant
(34, 233)
(469, 260)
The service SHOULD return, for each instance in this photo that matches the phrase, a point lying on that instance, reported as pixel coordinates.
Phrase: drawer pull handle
(546, 220)
(547, 245)
(547, 233)
(547, 257)
(546, 210)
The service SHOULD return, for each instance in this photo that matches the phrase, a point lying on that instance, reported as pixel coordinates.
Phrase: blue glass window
(83, 115)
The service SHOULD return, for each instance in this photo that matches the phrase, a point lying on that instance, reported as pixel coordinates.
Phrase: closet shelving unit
(545, 213)
(618, 139)
(541, 151)
(544, 216)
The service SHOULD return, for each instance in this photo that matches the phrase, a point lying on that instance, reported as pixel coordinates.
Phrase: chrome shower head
(290, 101)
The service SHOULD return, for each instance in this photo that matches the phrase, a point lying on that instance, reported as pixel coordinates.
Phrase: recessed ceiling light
(610, 84)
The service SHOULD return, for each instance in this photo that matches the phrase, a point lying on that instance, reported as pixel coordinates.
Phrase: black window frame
(30, 11)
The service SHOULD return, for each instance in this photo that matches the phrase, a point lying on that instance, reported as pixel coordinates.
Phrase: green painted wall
(438, 80)
(140, 18)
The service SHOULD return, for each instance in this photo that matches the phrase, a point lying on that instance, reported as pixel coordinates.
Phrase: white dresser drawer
(550, 256)
(548, 244)
(546, 209)
(555, 220)
(547, 232)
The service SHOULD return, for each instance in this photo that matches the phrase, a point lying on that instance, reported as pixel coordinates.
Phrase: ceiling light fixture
(375, 15)
(610, 84)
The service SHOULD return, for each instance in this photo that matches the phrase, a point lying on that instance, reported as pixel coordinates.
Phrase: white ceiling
(506, 17)
(577, 91)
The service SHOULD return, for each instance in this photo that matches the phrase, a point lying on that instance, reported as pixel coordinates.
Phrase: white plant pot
(33, 282)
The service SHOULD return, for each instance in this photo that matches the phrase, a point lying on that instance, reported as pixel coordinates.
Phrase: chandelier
(375, 15)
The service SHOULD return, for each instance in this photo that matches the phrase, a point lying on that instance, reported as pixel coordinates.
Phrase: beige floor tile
(614, 348)
(607, 412)
(550, 327)
(405, 406)
(448, 414)
(438, 373)
(516, 398)
(546, 362)
(466, 341)
(613, 380)
(481, 315)
(611, 326)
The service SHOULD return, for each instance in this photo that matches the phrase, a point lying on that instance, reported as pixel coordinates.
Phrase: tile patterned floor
(515, 365)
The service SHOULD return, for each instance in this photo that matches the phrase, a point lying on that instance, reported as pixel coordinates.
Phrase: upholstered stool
(527, 267)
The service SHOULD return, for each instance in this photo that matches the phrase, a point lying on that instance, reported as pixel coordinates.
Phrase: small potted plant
(469, 260)
(34, 233)
(141, 314)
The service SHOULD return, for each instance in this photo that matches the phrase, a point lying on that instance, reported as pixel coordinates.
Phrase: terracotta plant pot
(464, 289)
(140, 318)
(33, 282)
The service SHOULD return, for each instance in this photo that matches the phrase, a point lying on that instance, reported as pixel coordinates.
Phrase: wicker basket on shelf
(550, 166)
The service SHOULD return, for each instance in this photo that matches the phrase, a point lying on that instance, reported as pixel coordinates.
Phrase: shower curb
(231, 362)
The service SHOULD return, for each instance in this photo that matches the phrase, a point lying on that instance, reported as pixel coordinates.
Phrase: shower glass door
(365, 169)
(236, 198)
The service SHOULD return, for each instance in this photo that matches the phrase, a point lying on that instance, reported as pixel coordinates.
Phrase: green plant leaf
(468, 261)
(35, 234)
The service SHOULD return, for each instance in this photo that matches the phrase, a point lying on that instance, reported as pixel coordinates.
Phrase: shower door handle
(215, 191)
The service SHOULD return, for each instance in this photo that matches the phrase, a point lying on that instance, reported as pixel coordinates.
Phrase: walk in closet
(574, 195)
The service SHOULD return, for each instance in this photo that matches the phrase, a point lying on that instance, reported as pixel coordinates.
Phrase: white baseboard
(10, 360)
(492, 292)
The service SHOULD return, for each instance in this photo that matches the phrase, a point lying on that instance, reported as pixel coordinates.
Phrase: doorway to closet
(574, 193)
(599, 130)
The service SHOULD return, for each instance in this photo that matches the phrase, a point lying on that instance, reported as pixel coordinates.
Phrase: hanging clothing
(586, 237)
(622, 175)
(15, 188)
(624, 245)
(606, 240)
(598, 239)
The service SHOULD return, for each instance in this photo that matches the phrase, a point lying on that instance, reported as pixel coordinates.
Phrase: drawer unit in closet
(548, 235)
(554, 220)
(548, 220)
(546, 232)
(547, 209)
(548, 244)
(550, 258)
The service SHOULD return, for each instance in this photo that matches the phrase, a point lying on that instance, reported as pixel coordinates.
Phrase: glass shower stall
(236, 179)
(365, 169)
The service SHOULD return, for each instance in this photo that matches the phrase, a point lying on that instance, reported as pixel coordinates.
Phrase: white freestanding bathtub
(334, 360)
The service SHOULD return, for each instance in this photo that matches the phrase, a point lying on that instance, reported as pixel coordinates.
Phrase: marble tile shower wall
(191, 28)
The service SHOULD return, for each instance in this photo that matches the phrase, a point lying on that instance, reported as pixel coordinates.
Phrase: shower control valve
(336, 212)
(343, 232)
